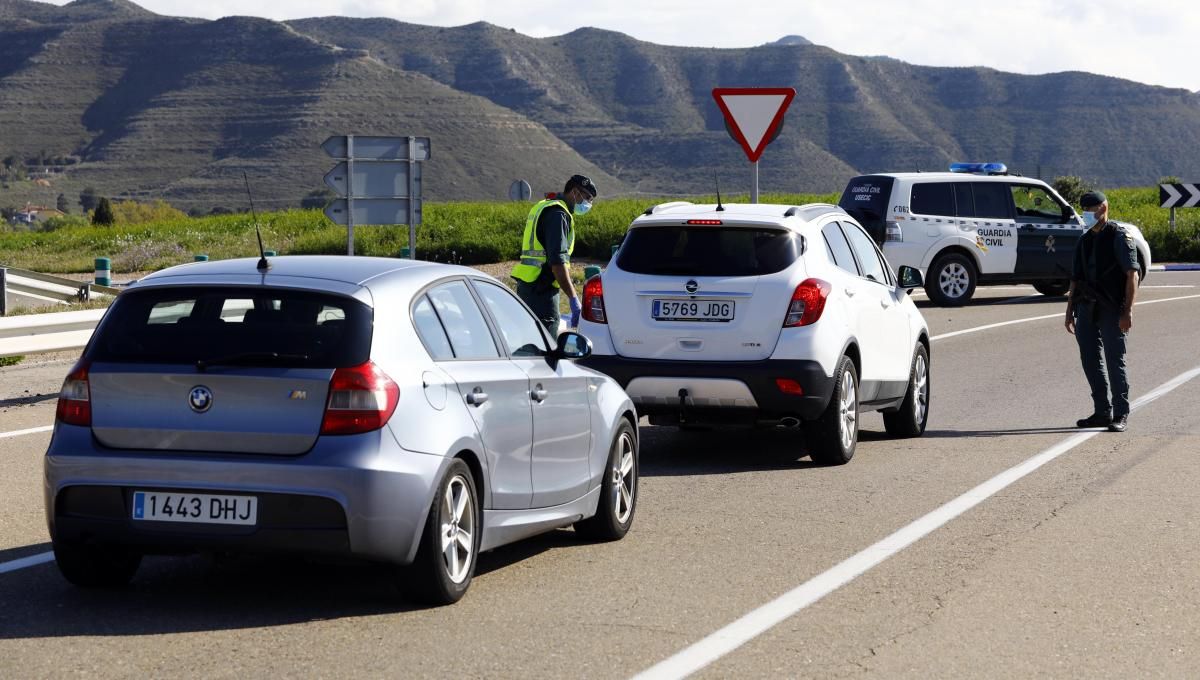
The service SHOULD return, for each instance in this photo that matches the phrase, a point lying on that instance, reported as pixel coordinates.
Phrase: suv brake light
(593, 301)
(361, 399)
(808, 301)
(74, 400)
(892, 231)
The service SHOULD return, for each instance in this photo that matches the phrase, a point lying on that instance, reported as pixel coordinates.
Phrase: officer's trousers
(1101, 344)
(543, 303)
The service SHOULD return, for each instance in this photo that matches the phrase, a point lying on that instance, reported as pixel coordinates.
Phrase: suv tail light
(892, 231)
(75, 399)
(361, 399)
(807, 303)
(593, 301)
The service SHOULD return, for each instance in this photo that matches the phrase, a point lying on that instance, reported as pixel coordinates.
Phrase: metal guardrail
(47, 287)
(55, 332)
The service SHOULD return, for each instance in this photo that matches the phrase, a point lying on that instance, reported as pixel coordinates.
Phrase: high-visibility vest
(533, 253)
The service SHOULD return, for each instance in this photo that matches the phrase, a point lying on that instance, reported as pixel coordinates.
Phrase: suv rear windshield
(866, 199)
(229, 325)
(708, 251)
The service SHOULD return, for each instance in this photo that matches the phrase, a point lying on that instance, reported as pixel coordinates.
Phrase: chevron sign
(1179, 195)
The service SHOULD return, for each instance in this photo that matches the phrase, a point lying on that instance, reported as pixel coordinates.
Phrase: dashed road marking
(32, 430)
(25, 562)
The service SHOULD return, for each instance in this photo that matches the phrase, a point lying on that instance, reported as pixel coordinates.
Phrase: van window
(964, 200)
(932, 198)
(1035, 204)
(991, 199)
(708, 251)
(866, 199)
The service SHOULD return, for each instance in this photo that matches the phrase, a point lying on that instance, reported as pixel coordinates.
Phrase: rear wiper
(203, 365)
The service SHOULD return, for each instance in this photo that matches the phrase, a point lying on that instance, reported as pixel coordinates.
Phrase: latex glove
(576, 311)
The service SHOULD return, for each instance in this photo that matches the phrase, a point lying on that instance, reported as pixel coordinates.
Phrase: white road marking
(24, 562)
(767, 616)
(32, 430)
(1059, 315)
(1179, 286)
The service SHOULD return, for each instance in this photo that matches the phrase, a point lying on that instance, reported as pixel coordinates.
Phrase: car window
(932, 198)
(842, 255)
(991, 199)
(469, 335)
(866, 200)
(708, 250)
(429, 327)
(867, 257)
(522, 334)
(1035, 204)
(964, 200)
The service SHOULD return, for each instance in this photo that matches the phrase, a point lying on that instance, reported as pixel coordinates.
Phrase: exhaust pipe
(789, 423)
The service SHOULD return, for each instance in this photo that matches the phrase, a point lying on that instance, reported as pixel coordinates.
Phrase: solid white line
(24, 562)
(32, 430)
(762, 619)
(1059, 315)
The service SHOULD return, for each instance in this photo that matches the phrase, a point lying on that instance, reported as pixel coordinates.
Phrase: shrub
(1071, 187)
(103, 216)
(132, 212)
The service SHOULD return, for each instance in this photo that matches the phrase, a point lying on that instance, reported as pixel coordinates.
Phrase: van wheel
(92, 565)
(445, 562)
(913, 414)
(952, 280)
(833, 436)
(1052, 288)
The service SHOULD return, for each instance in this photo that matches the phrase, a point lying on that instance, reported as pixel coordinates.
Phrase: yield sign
(754, 114)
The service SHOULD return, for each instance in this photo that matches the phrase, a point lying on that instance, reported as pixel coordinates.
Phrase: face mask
(583, 207)
(1089, 219)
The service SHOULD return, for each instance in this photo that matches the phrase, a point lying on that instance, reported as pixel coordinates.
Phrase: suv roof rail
(663, 206)
(809, 210)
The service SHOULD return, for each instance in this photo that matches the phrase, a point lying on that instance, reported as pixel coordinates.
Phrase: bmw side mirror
(910, 277)
(572, 345)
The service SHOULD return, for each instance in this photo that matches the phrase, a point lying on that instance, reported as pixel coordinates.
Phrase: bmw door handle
(538, 394)
(477, 397)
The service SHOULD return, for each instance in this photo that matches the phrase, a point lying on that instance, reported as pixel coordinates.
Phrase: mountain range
(104, 93)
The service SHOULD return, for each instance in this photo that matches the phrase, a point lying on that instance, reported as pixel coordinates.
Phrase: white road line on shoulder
(1059, 315)
(24, 562)
(767, 616)
(32, 430)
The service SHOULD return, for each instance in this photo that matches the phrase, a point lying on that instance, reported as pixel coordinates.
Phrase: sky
(1149, 41)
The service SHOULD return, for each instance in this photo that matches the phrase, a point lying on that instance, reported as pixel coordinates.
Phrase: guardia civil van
(975, 225)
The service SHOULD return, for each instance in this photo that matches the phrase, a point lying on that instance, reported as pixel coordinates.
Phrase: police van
(975, 225)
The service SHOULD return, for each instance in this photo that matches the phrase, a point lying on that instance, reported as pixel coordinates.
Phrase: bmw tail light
(75, 399)
(808, 301)
(593, 301)
(361, 399)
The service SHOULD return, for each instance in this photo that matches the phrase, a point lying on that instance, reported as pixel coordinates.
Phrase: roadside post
(753, 117)
(103, 271)
(1178, 196)
(379, 181)
(3, 291)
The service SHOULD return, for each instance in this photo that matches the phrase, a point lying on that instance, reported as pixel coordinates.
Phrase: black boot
(1118, 424)
(1094, 420)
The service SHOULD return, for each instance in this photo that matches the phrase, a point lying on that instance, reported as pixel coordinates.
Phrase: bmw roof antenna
(263, 265)
(717, 179)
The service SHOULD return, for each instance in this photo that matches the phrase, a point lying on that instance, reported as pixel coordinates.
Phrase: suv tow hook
(683, 395)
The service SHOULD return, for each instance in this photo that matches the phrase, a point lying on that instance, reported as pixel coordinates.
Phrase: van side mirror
(910, 277)
(1068, 214)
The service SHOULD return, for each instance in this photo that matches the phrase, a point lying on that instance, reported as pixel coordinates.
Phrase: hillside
(103, 93)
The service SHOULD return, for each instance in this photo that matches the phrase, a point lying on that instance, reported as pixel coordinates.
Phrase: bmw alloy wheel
(953, 280)
(458, 529)
(848, 420)
(624, 477)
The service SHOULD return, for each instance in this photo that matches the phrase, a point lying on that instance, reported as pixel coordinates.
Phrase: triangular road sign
(754, 114)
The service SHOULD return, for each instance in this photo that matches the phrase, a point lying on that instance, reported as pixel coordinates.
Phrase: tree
(62, 205)
(317, 199)
(103, 217)
(1071, 187)
(87, 199)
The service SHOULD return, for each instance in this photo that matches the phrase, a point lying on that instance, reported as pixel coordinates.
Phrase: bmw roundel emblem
(200, 398)
(691, 286)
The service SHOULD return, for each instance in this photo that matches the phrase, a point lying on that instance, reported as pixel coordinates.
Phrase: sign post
(1178, 196)
(753, 117)
(379, 179)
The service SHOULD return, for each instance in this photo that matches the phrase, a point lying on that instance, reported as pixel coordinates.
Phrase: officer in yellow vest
(546, 248)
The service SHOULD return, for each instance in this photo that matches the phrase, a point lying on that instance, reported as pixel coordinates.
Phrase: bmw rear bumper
(359, 495)
(742, 391)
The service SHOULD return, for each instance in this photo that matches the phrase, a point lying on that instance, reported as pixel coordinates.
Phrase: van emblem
(691, 286)
(200, 399)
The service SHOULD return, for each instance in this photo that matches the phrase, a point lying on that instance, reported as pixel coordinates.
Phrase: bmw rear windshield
(234, 326)
(866, 200)
(708, 250)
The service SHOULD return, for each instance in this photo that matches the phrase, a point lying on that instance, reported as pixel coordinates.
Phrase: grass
(462, 233)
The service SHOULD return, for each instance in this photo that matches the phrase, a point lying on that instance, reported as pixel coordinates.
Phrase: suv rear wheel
(1052, 288)
(833, 436)
(952, 279)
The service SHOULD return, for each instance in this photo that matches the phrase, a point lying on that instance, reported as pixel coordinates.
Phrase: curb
(1175, 267)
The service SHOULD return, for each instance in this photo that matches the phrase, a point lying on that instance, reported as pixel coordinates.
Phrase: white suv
(975, 225)
(764, 315)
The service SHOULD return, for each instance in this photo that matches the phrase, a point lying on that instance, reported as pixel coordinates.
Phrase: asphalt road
(1088, 565)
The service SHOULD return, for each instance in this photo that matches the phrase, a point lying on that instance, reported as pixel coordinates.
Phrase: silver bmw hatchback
(405, 412)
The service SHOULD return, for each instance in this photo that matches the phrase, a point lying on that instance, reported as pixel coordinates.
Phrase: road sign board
(754, 114)
(1179, 195)
(520, 190)
(375, 179)
(374, 211)
(377, 148)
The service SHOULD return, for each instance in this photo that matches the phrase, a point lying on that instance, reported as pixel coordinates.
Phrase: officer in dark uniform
(1104, 281)
(546, 248)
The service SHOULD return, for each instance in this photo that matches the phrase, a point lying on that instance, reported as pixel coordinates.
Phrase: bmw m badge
(200, 399)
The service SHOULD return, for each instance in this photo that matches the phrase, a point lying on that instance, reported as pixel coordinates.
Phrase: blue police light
(980, 168)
